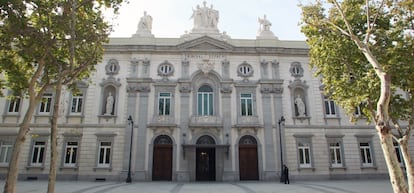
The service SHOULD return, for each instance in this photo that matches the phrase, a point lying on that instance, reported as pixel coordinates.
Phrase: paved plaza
(345, 186)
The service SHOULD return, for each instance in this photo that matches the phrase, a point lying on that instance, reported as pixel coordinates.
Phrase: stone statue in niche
(300, 106)
(145, 23)
(109, 104)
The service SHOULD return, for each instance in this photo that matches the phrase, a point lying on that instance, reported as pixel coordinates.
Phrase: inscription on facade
(205, 56)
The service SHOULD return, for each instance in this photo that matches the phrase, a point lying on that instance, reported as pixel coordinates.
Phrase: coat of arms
(206, 66)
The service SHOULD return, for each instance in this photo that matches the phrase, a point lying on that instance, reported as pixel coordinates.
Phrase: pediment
(205, 43)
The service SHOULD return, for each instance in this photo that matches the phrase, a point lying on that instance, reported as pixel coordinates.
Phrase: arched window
(163, 139)
(205, 139)
(205, 101)
(247, 140)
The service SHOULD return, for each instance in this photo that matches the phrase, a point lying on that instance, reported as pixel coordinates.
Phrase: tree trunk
(409, 165)
(53, 140)
(397, 178)
(13, 170)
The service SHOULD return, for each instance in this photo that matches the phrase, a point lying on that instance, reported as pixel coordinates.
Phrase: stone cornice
(235, 50)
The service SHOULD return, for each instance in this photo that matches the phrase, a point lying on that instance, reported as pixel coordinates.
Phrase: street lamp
(281, 122)
(130, 122)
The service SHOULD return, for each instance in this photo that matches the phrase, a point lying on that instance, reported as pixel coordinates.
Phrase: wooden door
(162, 159)
(248, 159)
(248, 162)
(162, 163)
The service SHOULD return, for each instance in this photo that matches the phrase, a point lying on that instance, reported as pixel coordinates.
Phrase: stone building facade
(199, 107)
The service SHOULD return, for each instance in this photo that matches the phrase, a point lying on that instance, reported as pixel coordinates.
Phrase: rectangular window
(164, 104)
(304, 155)
(6, 148)
(14, 105)
(358, 111)
(71, 151)
(46, 103)
(335, 154)
(38, 153)
(104, 157)
(246, 103)
(366, 156)
(205, 103)
(330, 110)
(77, 103)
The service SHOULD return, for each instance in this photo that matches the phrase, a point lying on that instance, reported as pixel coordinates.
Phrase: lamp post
(281, 121)
(130, 122)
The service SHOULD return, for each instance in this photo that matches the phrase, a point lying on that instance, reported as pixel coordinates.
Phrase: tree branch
(338, 28)
(370, 24)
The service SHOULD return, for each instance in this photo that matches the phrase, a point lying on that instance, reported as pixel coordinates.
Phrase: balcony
(162, 121)
(248, 122)
(206, 121)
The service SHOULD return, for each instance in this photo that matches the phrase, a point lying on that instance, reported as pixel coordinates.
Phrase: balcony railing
(248, 121)
(206, 121)
(162, 121)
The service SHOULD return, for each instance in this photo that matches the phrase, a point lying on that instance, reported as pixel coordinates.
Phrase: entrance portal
(205, 164)
(162, 159)
(205, 159)
(248, 164)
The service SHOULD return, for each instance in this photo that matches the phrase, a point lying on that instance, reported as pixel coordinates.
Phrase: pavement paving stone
(331, 186)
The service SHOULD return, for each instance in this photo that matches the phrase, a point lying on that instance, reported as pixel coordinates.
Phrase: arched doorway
(248, 164)
(162, 158)
(205, 159)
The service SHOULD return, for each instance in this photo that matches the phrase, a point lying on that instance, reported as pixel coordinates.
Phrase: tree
(44, 45)
(363, 51)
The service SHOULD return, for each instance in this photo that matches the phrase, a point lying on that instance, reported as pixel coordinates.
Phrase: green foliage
(56, 38)
(348, 77)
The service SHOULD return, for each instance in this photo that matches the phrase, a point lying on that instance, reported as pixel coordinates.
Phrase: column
(184, 169)
(228, 173)
(268, 147)
(131, 108)
(141, 137)
(278, 90)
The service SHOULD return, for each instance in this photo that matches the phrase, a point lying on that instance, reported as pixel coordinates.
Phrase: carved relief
(185, 89)
(185, 65)
(226, 89)
(132, 87)
(145, 70)
(226, 65)
(266, 89)
(247, 131)
(206, 66)
(278, 90)
(264, 66)
(143, 88)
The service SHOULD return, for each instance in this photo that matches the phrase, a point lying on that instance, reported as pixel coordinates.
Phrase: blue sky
(171, 18)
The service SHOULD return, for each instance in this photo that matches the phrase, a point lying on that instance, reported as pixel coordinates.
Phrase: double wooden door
(162, 162)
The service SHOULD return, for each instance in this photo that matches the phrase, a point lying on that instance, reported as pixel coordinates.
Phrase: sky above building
(238, 18)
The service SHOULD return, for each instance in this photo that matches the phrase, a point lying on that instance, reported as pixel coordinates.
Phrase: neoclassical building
(201, 107)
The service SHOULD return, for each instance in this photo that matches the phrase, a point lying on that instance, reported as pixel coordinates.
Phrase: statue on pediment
(144, 26)
(264, 24)
(264, 31)
(145, 23)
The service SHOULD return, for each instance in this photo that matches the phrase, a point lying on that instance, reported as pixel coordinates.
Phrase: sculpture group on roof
(205, 20)
(205, 17)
